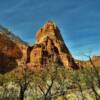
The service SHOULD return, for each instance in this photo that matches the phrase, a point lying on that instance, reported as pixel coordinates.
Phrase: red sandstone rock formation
(11, 53)
(50, 48)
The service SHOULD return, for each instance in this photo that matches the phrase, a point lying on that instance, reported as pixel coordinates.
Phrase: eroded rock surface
(11, 53)
(50, 48)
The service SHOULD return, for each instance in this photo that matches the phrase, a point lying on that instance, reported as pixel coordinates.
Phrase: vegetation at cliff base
(52, 83)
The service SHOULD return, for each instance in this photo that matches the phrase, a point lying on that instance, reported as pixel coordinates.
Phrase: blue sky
(78, 20)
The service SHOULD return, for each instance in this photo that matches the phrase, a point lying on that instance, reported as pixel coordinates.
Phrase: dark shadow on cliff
(7, 63)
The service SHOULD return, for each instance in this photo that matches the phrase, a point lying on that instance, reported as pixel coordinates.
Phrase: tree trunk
(47, 96)
(95, 92)
(21, 95)
(83, 98)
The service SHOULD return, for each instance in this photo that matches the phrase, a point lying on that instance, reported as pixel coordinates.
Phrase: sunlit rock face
(50, 48)
(11, 53)
(9, 48)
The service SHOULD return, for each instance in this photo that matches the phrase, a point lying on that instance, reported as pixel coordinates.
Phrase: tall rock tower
(50, 48)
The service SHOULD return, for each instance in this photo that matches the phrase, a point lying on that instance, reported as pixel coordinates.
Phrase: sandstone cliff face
(9, 48)
(11, 53)
(50, 48)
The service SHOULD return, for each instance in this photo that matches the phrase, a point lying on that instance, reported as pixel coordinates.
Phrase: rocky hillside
(95, 61)
(12, 50)
(10, 35)
(50, 48)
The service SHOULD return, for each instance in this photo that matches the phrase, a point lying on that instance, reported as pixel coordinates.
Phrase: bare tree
(95, 71)
(88, 77)
(23, 78)
(46, 80)
(62, 83)
(77, 80)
